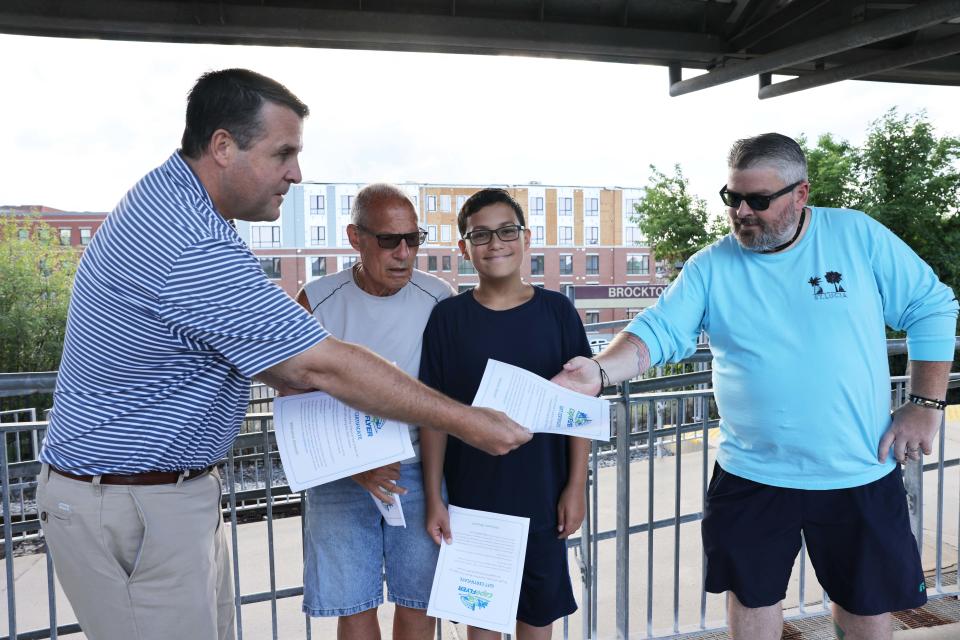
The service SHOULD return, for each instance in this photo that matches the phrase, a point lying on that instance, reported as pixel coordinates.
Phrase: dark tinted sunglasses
(392, 240)
(756, 201)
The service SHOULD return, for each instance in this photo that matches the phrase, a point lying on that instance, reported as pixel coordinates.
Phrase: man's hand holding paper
(540, 405)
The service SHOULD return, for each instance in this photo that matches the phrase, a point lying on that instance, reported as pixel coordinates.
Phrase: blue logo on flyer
(576, 418)
(474, 602)
(373, 425)
(475, 596)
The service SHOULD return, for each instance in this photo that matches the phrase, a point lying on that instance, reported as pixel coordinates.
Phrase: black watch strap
(929, 403)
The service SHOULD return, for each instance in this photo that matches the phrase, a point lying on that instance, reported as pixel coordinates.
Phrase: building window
(630, 206)
(431, 203)
(344, 237)
(592, 317)
(566, 264)
(445, 263)
(638, 264)
(265, 237)
(539, 235)
(66, 234)
(536, 206)
(445, 203)
(347, 262)
(591, 235)
(633, 313)
(431, 263)
(536, 264)
(271, 267)
(591, 206)
(317, 205)
(566, 235)
(446, 234)
(566, 206)
(465, 287)
(432, 233)
(464, 266)
(593, 264)
(460, 201)
(45, 233)
(85, 236)
(346, 203)
(318, 236)
(413, 200)
(633, 236)
(318, 267)
(23, 234)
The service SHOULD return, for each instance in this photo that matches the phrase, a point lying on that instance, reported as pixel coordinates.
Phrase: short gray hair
(772, 150)
(376, 193)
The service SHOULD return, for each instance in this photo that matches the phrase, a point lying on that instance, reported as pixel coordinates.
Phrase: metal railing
(662, 432)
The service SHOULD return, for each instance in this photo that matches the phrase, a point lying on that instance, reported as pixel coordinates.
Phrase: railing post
(623, 512)
(8, 543)
(586, 561)
(913, 482)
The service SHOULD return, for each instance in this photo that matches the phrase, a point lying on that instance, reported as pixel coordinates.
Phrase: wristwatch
(929, 403)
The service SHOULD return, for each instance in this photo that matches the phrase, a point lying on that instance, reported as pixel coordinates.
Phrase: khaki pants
(140, 562)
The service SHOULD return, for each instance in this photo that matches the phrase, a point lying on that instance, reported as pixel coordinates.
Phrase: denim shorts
(348, 549)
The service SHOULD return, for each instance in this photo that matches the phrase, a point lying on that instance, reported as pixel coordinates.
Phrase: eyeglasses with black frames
(756, 201)
(508, 233)
(392, 240)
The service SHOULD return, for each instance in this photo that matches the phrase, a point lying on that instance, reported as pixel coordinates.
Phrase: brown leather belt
(147, 477)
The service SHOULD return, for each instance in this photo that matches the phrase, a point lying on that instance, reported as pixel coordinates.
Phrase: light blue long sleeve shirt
(799, 349)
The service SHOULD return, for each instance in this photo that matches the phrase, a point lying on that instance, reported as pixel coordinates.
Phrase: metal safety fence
(638, 555)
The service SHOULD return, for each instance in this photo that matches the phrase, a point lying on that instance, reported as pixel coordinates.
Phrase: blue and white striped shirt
(171, 316)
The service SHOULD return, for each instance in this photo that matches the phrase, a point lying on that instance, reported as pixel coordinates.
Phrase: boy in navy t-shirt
(506, 319)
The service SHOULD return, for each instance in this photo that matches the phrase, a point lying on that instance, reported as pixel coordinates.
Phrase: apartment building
(580, 236)
(71, 228)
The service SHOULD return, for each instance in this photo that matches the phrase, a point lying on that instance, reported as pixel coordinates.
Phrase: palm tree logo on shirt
(834, 278)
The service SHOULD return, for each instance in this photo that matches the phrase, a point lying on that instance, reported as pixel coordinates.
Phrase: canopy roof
(819, 41)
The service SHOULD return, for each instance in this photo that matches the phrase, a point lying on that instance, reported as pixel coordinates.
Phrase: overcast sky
(82, 120)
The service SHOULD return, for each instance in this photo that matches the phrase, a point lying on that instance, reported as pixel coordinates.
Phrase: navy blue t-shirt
(540, 335)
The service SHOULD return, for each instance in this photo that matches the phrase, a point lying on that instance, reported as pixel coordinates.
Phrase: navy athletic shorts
(858, 539)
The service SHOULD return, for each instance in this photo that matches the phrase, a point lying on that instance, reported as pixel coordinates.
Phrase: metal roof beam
(894, 60)
(308, 27)
(771, 25)
(889, 26)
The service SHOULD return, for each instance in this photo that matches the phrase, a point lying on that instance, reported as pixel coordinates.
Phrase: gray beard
(764, 236)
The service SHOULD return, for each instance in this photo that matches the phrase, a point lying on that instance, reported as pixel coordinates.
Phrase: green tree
(675, 221)
(910, 182)
(36, 275)
(832, 171)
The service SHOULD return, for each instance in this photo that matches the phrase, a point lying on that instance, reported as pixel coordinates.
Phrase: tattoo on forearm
(642, 353)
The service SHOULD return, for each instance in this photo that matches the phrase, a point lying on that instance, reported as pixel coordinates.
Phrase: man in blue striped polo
(171, 317)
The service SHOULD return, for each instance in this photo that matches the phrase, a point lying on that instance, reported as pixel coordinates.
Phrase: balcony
(638, 558)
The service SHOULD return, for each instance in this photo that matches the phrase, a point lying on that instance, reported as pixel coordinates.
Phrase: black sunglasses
(508, 233)
(756, 201)
(392, 240)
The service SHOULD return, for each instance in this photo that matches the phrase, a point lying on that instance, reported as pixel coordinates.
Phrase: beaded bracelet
(929, 403)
